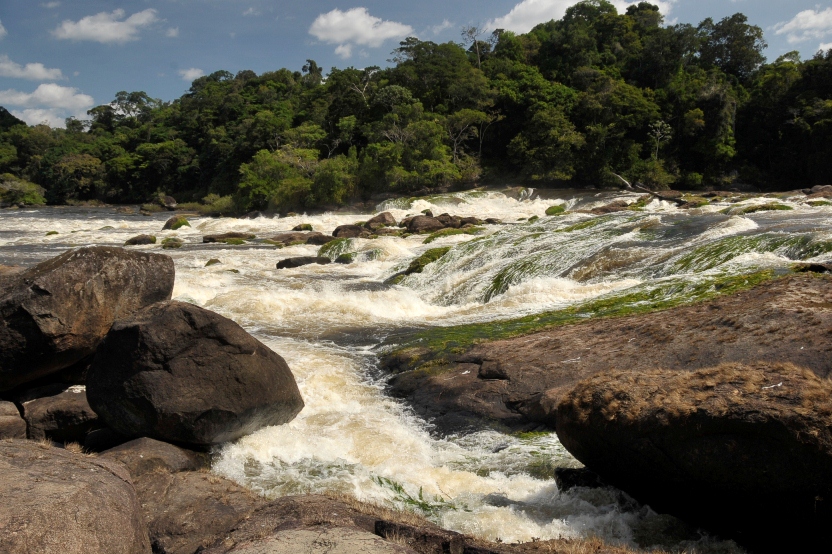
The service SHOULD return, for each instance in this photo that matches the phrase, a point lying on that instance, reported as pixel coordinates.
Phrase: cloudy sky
(61, 57)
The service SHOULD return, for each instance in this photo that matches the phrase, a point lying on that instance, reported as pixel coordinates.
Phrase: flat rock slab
(786, 320)
(57, 502)
(325, 540)
(56, 313)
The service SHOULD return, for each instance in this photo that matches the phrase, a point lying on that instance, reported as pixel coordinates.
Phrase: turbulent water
(329, 321)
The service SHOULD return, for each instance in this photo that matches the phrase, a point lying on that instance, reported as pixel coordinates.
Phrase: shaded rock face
(226, 236)
(57, 501)
(736, 447)
(12, 426)
(319, 239)
(180, 373)
(64, 417)
(349, 231)
(55, 314)
(299, 261)
(146, 455)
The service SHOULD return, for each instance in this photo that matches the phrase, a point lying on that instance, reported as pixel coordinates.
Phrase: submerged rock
(288, 239)
(738, 446)
(57, 501)
(55, 314)
(140, 240)
(227, 236)
(299, 261)
(349, 232)
(180, 373)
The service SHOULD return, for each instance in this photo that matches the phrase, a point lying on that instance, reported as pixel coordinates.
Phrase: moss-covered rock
(450, 232)
(212, 261)
(303, 227)
(172, 242)
(555, 210)
(176, 222)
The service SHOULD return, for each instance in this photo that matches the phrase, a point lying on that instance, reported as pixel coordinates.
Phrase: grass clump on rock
(450, 232)
(418, 265)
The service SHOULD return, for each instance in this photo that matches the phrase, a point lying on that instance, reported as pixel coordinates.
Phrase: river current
(330, 323)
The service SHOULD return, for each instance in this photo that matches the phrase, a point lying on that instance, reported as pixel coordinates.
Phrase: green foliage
(570, 102)
(451, 232)
(14, 191)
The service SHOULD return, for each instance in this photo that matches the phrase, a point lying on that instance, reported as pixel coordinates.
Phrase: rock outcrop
(180, 373)
(55, 314)
(57, 501)
(736, 447)
(140, 240)
(384, 219)
(350, 232)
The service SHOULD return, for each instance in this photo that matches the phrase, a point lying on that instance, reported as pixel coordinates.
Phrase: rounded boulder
(737, 447)
(180, 373)
(55, 501)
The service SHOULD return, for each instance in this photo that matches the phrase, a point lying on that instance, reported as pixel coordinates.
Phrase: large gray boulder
(739, 447)
(55, 314)
(58, 502)
(179, 373)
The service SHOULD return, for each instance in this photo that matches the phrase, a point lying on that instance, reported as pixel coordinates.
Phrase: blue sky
(60, 58)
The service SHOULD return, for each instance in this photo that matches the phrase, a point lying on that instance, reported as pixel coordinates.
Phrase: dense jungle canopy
(571, 103)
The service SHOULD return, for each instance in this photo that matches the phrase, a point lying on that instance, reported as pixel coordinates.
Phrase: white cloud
(436, 29)
(173, 32)
(529, 13)
(806, 25)
(251, 11)
(825, 46)
(34, 71)
(191, 74)
(50, 5)
(49, 103)
(355, 27)
(47, 95)
(107, 27)
(2, 30)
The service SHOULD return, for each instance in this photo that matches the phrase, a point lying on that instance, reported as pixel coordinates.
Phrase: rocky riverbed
(268, 423)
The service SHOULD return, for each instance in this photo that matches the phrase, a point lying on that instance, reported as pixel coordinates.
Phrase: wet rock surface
(56, 313)
(738, 447)
(767, 323)
(300, 261)
(180, 373)
(227, 236)
(140, 240)
(58, 501)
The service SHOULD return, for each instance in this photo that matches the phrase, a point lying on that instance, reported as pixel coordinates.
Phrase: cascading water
(327, 321)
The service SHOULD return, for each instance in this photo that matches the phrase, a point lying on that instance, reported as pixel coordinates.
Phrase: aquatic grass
(451, 232)
(745, 210)
(725, 249)
(335, 248)
(428, 507)
(588, 224)
(438, 345)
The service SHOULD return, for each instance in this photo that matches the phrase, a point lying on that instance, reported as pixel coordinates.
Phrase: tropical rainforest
(587, 100)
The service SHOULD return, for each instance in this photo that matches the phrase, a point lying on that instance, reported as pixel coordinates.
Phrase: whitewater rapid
(328, 322)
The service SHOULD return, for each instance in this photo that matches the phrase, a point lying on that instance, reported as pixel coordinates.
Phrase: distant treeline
(571, 103)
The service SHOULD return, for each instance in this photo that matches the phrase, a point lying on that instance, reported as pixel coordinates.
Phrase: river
(330, 322)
